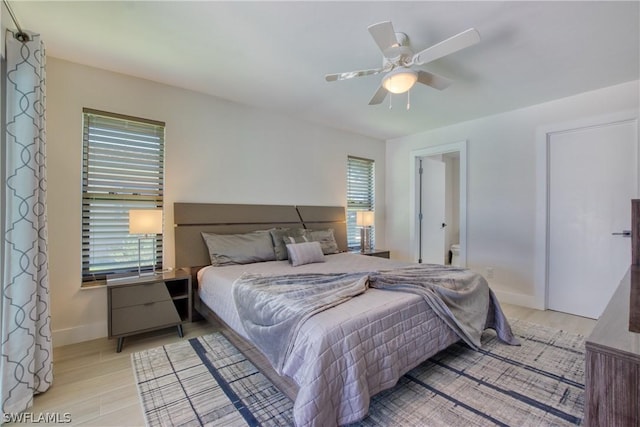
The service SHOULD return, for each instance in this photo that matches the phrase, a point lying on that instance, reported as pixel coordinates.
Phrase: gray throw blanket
(272, 308)
(460, 297)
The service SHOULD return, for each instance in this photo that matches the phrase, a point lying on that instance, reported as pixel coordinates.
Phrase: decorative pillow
(279, 237)
(228, 249)
(304, 253)
(295, 239)
(326, 238)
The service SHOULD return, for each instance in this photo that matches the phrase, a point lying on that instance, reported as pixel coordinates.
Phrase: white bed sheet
(346, 354)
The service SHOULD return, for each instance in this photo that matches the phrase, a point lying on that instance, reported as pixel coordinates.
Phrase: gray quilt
(460, 297)
(272, 308)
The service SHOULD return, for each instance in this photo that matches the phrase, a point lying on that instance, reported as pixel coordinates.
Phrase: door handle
(624, 233)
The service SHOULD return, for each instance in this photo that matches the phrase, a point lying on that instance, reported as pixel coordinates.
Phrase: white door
(433, 211)
(593, 175)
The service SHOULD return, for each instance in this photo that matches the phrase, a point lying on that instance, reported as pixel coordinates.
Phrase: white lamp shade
(400, 80)
(145, 221)
(364, 218)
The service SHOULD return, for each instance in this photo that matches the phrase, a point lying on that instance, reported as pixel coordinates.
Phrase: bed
(338, 356)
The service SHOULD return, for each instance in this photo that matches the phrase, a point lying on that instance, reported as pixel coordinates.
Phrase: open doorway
(438, 209)
(438, 204)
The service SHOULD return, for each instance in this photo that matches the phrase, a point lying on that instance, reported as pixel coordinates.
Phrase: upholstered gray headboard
(191, 219)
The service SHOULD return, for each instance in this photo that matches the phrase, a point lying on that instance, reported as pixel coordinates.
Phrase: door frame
(461, 148)
(543, 138)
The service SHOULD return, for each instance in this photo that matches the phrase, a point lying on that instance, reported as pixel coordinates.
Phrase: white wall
(216, 151)
(501, 198)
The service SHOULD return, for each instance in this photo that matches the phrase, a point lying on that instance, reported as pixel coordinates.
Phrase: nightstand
(141, 304)
(380, 253)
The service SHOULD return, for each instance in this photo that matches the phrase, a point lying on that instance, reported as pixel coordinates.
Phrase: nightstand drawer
(147, 316)
(127, 296)
(141, 304)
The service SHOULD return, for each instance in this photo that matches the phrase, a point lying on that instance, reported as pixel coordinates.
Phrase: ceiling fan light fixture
(400, 80)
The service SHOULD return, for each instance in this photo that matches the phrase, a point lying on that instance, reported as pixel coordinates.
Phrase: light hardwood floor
(96, 385)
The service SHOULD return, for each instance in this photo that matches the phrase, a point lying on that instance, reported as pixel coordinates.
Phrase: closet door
(593, 175)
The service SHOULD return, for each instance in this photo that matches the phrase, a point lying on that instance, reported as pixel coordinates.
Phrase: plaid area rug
(207, 381)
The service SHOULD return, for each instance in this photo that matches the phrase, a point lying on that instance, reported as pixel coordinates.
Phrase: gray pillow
(280, 239)
(326, 238)
(295, 239)
(229, 249)
(304, 253)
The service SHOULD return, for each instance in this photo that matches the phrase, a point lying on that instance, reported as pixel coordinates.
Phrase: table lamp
(364, 220)
(145, 222)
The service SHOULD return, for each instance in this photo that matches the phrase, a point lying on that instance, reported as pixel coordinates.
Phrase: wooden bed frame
(191, 252)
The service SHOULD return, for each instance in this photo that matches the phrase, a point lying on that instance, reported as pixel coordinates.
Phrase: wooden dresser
(612, 363)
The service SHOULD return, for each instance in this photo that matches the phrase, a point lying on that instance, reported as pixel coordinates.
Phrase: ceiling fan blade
(433, 80)
(352, 74)
(452, 44)
(379, 96)
(384, 35)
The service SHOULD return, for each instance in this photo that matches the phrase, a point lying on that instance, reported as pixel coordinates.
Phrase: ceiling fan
(398, 60)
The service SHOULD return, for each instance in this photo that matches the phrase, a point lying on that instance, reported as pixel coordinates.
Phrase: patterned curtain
(26, 354)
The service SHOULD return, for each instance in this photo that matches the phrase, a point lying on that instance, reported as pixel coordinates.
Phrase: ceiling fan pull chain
(390, 106)
(408, 100)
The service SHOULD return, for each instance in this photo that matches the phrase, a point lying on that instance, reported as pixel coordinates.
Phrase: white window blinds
(360, 195)
(122, 169)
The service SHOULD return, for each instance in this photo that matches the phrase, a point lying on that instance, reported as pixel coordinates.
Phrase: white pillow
(304, 253)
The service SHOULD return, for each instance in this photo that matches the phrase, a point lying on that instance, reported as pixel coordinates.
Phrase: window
(122, 169)
(360, 196)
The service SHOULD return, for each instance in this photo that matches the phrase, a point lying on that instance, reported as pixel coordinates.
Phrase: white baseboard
(78, 334)
(523, 300)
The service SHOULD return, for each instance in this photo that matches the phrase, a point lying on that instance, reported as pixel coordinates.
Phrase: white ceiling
(274, 55)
